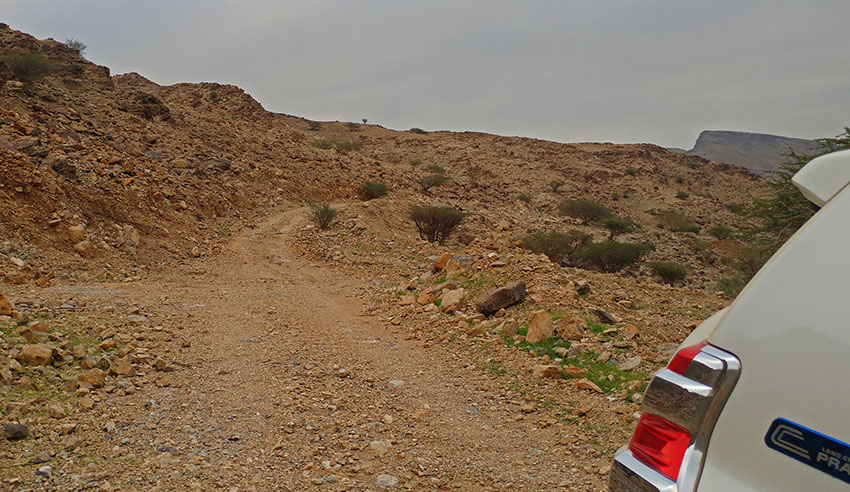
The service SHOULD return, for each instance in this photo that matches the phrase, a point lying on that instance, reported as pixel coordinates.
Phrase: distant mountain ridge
(759, 152)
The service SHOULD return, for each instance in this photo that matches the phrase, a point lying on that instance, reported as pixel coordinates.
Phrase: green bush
(435, 224)
(669, 271)
(735, 208)
(720, 232)
(611, 256)
(322, 214)
(524, 197)
(682, 195)
(631, 171)
(731, 286)
(323, 143)
(587, 210)
(27, 65)
(618, 225)
(213, 94)
(434, 168)
(677, 221)
(415, 162)
(351, 126)
(314, 125)
(430, 181)
(784, 209)
(559, 247)
(694, 165)
(341, 147)
(370, 190)
(346, 147)
(418, 130)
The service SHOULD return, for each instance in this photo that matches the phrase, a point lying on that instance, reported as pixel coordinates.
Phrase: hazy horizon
(657, 72)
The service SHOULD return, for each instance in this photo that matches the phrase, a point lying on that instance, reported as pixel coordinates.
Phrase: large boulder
(540, 327)
(500, 298)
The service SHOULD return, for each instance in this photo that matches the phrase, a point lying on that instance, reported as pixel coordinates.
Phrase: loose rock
(36, 354)
(501, 298)
(540, 327)
(14, 432)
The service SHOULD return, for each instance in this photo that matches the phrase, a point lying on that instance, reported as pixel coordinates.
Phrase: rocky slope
(760, 153)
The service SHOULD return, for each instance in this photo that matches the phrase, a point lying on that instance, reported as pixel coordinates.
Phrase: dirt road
(290, 384)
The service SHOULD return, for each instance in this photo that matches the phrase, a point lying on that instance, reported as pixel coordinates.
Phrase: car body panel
(790, 327)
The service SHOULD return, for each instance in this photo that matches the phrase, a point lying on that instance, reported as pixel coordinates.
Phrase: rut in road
(290, 384)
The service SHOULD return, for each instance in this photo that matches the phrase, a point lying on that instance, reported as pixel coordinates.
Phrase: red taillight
(660, 444)
(683, 358)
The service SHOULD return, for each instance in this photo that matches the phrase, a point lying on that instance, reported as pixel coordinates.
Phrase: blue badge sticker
(808, 446)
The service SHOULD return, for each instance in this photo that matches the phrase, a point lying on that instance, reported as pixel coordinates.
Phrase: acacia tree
(785, 209)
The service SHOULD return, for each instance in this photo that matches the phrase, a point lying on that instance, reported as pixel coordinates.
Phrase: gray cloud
(652, 71)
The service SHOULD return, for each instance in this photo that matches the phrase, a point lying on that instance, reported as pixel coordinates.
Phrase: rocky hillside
(758, 152)
(118, 174)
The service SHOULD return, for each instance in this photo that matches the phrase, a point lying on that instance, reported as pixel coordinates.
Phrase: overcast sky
(655, 71)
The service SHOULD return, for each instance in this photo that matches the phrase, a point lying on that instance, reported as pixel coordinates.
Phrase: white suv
(757, 398)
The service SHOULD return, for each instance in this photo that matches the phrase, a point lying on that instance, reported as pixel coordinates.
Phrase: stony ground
(275, 375)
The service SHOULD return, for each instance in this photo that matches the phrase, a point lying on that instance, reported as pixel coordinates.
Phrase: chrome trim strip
(678, 399)
(630, 475)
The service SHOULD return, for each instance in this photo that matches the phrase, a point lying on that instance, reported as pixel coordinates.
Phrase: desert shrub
(555, 184)
(436, 169)
(559, 247)
(586, 210)
(698, 246)
(435, 224)
(631, 171)
(611, 256)
(676, 221)
(731, 286)
(682, 195)
(618, 225)
(346, 147)
(694, 165)
(720, 232)
(669, 271)
(430, 181)
(680, 179)
(418, 130)
(351, 126)
(323, 143)
(322, 214)
(524, 197)
(213, 94)
(415, 162)
(314, 125)
(27, 65)
(370, 190)
(735, 208)
(76, 45)
(750, 258)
